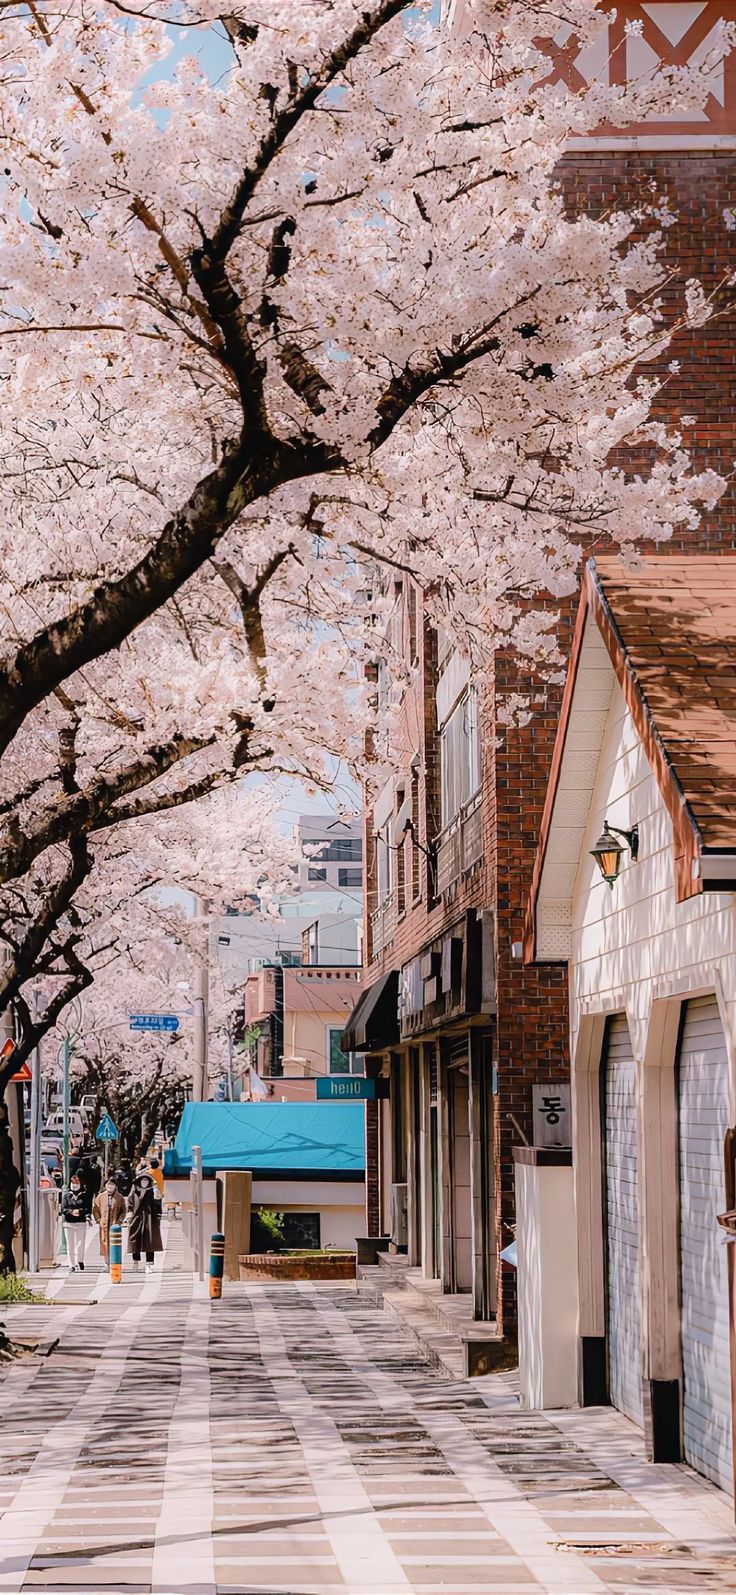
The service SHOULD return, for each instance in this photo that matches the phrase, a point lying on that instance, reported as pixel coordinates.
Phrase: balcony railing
(460, 845)
(383, 924)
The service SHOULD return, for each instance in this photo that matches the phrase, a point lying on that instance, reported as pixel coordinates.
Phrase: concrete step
(389, 1270)
(443, 1351)
(452, 1339)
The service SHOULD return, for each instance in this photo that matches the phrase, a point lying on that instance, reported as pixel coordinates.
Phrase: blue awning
(277, 1139)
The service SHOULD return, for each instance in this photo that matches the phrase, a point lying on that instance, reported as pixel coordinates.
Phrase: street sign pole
(65, 1087)
(66, 1090)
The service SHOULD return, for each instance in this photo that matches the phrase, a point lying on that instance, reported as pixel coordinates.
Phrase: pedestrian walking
(90, 1173)
(124, 1177)
(153, 1167)
(74, 1219)
(144, 1229)
(108, 1207)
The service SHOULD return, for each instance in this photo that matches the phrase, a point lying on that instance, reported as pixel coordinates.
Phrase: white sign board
(551, 1114)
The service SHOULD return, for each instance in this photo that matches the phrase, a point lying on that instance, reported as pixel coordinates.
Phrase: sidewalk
(288, 1440)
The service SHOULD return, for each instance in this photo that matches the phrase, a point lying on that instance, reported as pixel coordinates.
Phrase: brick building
(462, 1028)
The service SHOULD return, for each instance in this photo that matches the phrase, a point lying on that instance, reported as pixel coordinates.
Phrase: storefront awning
(374, 1021)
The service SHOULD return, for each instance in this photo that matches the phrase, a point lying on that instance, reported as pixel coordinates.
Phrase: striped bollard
(116, 1253)
(217, 1265)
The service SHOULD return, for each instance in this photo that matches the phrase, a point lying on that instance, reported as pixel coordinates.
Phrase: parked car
(78, 1122)
(48, 1180)
(52, 1159)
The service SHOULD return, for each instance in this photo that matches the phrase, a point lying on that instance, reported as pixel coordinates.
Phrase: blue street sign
(153, 1021)
(345, 1088)
(106, 1130)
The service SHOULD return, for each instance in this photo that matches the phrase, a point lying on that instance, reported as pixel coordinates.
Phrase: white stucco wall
(635, 944)
(340, 1204)
(636, 950)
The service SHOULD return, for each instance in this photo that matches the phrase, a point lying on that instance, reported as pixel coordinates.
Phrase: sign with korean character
(551, 1115)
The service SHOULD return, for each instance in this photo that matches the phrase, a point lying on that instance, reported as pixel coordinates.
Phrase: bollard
(217, 1265)
(116, 1253)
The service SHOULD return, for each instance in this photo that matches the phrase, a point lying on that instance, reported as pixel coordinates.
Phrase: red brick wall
(532, 1038)
(425, 919)
(532, 1022)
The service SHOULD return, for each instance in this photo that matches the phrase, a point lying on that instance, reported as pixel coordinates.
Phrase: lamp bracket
(630, 837)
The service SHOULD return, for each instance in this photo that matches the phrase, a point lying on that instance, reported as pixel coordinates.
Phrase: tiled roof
(676, 618)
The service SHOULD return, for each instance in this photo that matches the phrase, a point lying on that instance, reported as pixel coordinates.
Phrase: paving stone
(296, 1441)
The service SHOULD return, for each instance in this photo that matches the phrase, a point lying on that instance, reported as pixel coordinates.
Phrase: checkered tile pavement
(287, 1441)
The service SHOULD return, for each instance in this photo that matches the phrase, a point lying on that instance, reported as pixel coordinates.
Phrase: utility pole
(201, 1005)
(35, 1170)
(66, 1093)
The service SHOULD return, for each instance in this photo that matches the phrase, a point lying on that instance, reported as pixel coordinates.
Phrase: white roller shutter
(704, 1119)
(622, 1222)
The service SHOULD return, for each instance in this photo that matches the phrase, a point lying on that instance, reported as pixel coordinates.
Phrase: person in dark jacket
(74, 1219)
(144, 1228)
(90, 1174)
(124, 1177)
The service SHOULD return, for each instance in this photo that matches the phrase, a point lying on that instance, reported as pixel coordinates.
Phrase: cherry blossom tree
(112, 930)
(337, 283)
(260, 338)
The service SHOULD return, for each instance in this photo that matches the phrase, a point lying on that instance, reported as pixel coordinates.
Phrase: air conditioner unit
(398, 1215)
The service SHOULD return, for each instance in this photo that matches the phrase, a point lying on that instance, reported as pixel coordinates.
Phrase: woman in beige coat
(108, 1208)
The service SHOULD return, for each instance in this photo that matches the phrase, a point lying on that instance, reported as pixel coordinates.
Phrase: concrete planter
(278, 1266)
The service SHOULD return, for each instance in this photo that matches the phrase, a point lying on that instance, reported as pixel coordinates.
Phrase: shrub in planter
(266, 1230)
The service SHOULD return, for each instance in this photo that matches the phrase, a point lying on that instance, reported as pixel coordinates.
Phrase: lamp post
(200, 1003)
(71, 1034)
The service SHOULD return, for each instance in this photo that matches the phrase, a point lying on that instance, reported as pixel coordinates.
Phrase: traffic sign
(154, 1021)
(345, 1088)
(22, 1075)
(106, 1130)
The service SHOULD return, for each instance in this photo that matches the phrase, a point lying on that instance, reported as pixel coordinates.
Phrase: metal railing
(460, 845)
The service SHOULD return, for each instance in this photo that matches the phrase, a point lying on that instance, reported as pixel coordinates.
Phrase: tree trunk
(9, 1186)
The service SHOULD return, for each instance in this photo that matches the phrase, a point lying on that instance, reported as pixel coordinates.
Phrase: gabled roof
(676, 619)
(669, 631)
(325, 1140)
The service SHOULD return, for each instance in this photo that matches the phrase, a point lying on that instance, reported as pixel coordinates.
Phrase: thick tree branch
(26, 955)
(300, 102)
(34, 1030)
(79, 811)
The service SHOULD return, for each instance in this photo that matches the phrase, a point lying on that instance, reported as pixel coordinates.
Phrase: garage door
(622, 1222)
(704, 1118)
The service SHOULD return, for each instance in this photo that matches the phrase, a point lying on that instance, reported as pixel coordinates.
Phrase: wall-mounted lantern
(609, 850)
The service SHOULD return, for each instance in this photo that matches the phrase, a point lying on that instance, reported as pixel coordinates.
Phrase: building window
(340, 850)
(384, 868)
(400, 854)
(413, 624)
(338, 1061)
(459, 756)
(350, 877)
(317, 875)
